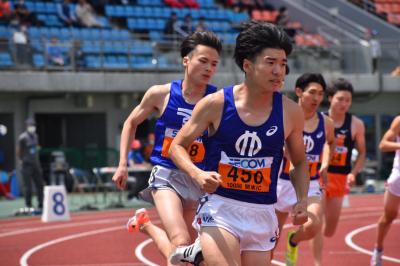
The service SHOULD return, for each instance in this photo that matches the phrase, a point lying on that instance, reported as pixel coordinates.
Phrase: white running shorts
(394, 182)
(255, 225)
(287, 196)
(173, 179)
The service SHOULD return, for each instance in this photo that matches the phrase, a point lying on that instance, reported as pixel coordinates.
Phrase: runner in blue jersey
(319, 141)
(248, 125)
(175, 195)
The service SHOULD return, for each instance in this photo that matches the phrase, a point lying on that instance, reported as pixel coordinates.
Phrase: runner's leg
(251, 257)
(333, 207)
(220, 247)
(282, 217)
(391, 209)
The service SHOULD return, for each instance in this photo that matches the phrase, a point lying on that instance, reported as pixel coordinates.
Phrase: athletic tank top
(248, 158)
(396, 160)
(341, 160)
(175, 115)
(314, 143)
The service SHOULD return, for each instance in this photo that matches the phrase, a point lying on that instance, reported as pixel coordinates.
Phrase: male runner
(349, 132)
(175, 195)
(248, 125)
(318, 135)
(392, 194)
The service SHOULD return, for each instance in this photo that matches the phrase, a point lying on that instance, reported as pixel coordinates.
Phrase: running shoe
(376, 259)
(291, 252)
(141, 217)
(187, 253)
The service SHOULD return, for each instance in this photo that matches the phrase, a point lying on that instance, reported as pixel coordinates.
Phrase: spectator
(169, 27)
(238, 17)
(187, 24)
(173, 3)
(202, 24)
(6, 14)
(23, 50)
(84, 12)
(149, 147)
(78, 55)
(24, 14)
(27, 151)
(283, 17)
(135, 158)
(5, 185)
(66, 14)
(191, 4)
(376, 51)
(54, 55)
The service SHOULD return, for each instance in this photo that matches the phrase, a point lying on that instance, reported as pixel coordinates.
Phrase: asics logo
(273, 239)
(243, 141)
(343, 131)
(320, 134)
(272, 131)
(186, 113)
(308, 143)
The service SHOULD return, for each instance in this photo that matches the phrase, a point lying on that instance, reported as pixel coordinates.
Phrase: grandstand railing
(340, 55)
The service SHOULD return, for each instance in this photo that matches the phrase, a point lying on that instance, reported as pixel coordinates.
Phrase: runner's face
(201, 66)
(311, 97)
(268, 69)
(340, 102)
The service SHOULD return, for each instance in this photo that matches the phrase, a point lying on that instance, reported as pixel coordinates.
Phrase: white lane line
(60, 226)
(25, 257)
(351, 244)
(139, 253)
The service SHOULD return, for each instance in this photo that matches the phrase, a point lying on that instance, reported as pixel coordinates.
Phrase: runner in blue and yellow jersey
(175, 195)
(319, 141)
(248, 125)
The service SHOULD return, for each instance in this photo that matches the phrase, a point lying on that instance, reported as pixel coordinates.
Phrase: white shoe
(376, 259)
(186, 253)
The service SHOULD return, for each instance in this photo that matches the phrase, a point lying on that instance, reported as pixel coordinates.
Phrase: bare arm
(329, 149)
(359, 136)
(203, 116)
(299, 174)
(152, 100)
(387, 143)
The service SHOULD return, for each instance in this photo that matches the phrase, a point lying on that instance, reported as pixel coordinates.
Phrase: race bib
(313, 161)
(196, 151)
(340, 156)
(249, 174)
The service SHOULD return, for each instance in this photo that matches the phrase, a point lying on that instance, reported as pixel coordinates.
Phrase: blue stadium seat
(122, 61)
(65, 33)
(40, 7)
(42, 17)
(38, 60)
(30, 6)
(142, 62)
(158, 12)
(120, 48)
(5, 60)
(166, 12)
(143, 2)
(138, 11)
(104, 20)
(151, 24)
(148, 12)
(129, 11)
(37, 45)
(50, 8)
(119, 11)
(93, 61)
(160, 24)
(110, 11)
(106, 34)
(108, 47)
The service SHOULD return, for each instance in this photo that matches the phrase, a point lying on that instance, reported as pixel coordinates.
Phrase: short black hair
(204, 37)
(305, 79)
(257, 36)
(282, 9)
(339, 84)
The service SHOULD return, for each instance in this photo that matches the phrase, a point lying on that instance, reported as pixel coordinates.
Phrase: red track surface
(101, 238)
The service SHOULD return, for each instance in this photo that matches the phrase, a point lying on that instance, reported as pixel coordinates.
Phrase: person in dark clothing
(24, 14)
(187, 24)
(169, 27)
(66, 14)
(27, 151)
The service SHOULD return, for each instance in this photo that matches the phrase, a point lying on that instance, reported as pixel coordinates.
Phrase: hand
(325, 178)
(351, 179)
(208, 181)
(300, 213)
(120, 177)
